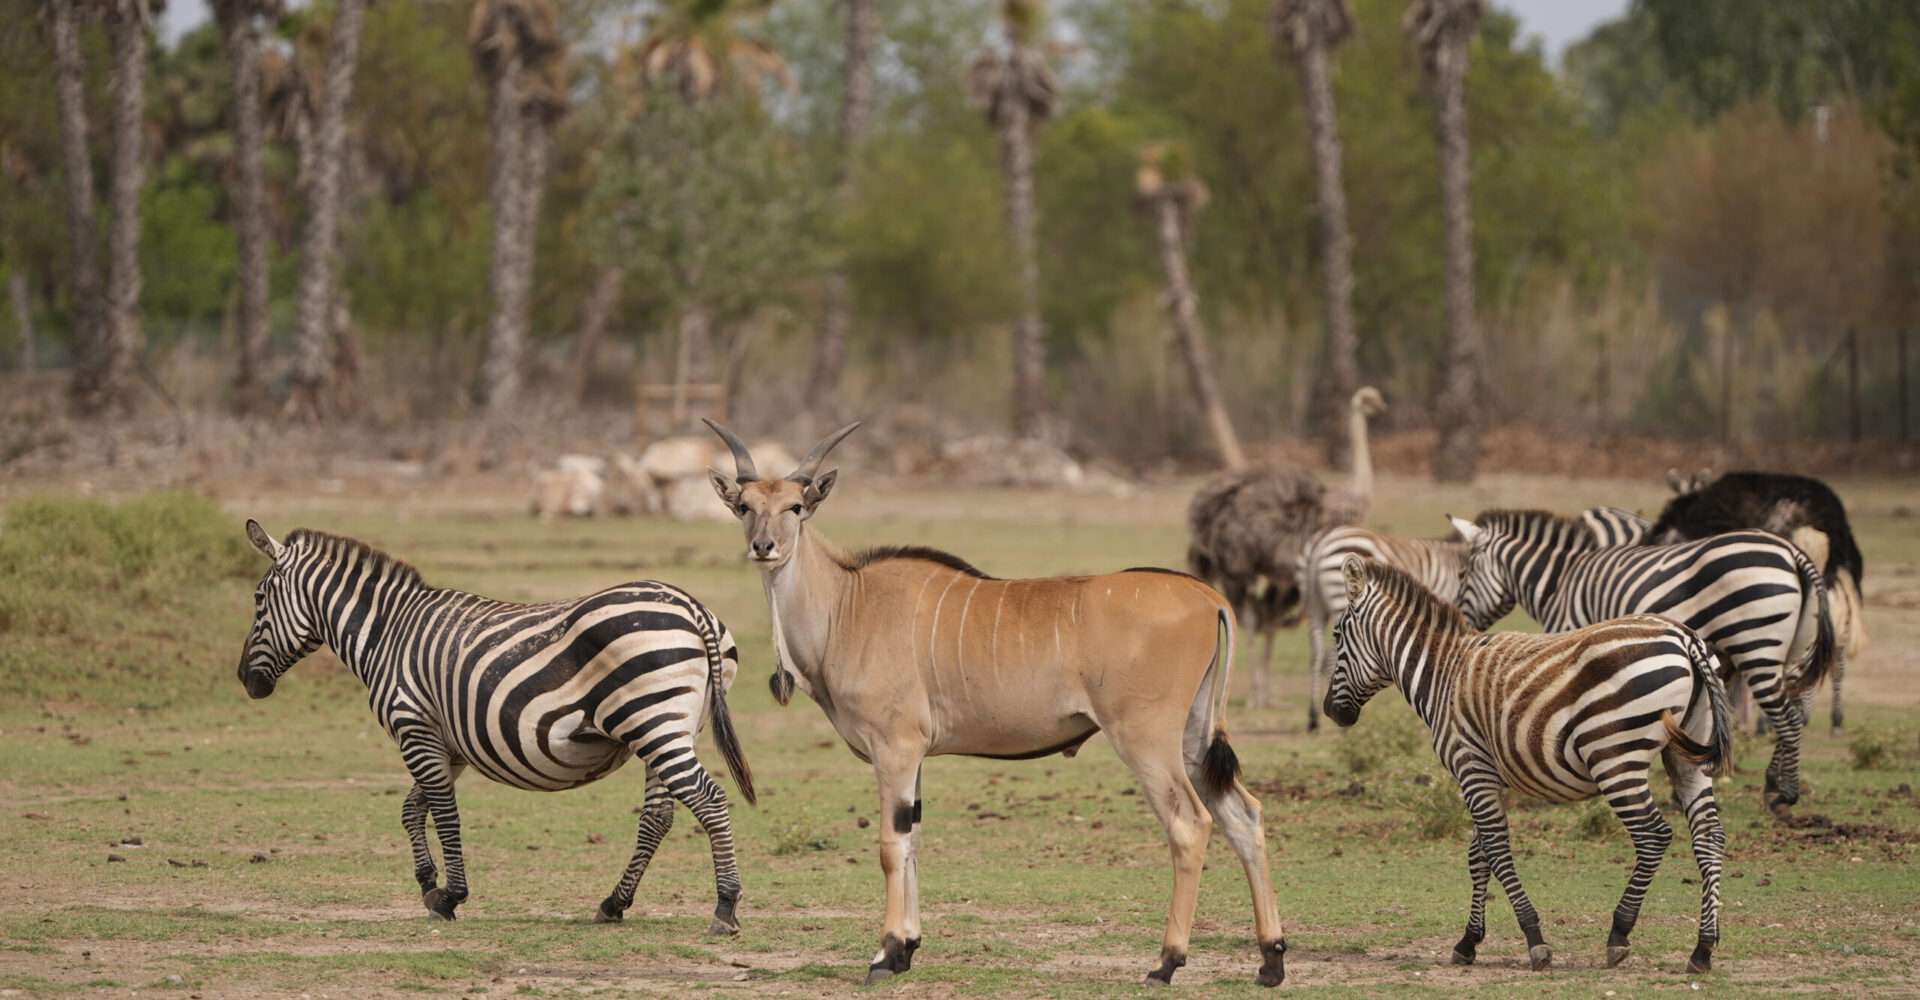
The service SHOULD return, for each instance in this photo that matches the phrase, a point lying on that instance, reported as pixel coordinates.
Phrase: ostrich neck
(1362, 486)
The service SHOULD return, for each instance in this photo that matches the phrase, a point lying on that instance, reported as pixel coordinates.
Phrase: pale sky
(1558, 23)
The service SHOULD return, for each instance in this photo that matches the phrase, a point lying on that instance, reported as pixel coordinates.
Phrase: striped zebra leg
(1838, 671)
(1709, 848)
(1482, 792)
(1463, 953)
(413, 817)
(433, 776)
(1789, 718)
(1627, 793)
(656, 818)
(708, 801)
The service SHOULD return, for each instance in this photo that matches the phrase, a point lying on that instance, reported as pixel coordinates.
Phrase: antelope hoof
(1154, 980)
(1273, 965)
(876, 974)
(1539, 957)
(1617, 953)
(439, 904)
(1461, 957)
(721, 928)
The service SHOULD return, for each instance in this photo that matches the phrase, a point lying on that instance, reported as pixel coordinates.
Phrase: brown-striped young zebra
(1561, 717)
(1753, 596)
(1435, 562)
(538, 696)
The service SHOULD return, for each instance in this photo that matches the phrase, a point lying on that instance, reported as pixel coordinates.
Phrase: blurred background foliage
(1691, 227)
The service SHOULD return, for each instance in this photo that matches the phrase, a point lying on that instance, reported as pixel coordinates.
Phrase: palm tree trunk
(84, 292)
(124, 338)
(1029, 343)
(593, 329)
(22, 315)
(856, 112)
(1336, 249)
(1457, 456)
(249, 201)
(317, 331)
(506, 331)
(1183, 309)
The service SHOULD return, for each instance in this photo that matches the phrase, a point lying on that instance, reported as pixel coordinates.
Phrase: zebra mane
(1412, 597)
(1561, 528)
(338, 545)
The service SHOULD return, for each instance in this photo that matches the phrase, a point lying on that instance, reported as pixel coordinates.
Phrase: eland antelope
(911, 653)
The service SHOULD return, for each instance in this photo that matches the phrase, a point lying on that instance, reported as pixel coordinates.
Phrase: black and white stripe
(1754, 597)
(1561, 717)
(542, 697)
(1434, 562)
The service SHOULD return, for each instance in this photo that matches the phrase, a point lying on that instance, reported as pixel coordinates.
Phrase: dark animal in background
(1789, 506)
(1249, 527)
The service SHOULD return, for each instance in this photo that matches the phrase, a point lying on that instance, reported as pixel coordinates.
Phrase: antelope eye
(741, 509)
(795, 509)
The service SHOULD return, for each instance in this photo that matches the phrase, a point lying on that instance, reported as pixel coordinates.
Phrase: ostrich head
(1368, 402)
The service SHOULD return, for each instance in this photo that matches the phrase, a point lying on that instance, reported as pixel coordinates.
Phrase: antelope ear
(263, 541)
(817, 491)
(726, 486)
(1468, 531)
(1354, 570)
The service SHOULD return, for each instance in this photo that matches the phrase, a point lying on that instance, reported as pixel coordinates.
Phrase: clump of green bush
(61, 557)
(1874, 748)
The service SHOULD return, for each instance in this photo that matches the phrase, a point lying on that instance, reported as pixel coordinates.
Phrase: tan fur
(911, 654)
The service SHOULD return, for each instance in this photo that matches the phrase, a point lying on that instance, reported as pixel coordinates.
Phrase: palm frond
(1303, 25)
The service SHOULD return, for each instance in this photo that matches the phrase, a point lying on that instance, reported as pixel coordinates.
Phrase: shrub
(1875, 748)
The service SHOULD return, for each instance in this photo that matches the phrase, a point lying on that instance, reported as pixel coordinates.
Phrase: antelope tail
(723, 732)
(1814, 644)
(1221, 765)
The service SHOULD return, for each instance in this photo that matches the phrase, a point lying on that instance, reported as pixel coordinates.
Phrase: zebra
(1561, 717)
(537, 696)
(1754, 597)
(1434, 562)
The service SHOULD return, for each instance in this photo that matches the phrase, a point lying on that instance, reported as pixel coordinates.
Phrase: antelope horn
(804, 472)
(743, 470)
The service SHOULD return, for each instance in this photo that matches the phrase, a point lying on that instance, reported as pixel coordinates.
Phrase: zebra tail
(1715, 757)
(1814, 640)
(1221, 766)
(724, 735)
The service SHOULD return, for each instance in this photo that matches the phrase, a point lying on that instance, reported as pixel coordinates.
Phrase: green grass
(1041, 878)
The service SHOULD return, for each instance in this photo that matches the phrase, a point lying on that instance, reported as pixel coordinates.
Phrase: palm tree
(1171, 195)
(1443, 29)
(319, 328)
(239, 24)
(1310, 30)
(1016, 89)
(122, 337)
(513, 42)
(63, 22)
(856, 113)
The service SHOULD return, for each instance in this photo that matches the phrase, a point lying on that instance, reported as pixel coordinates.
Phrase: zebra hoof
(1539, 957)
(1838, 732)
(439, 907)
(1700, 961)
(1462, 958)
(602, 915)
(1617, 953)
(721, 928)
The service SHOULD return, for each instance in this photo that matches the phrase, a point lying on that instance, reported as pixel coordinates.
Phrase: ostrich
(1801, 509)
(1250, 524)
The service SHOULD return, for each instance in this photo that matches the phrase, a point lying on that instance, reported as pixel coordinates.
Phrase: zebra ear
(263, 541)
(1676, 482)
(1354, 570)
(1468, 531)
